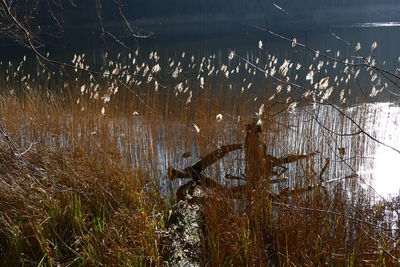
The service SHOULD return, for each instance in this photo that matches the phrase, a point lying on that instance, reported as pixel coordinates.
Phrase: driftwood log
(183, 239)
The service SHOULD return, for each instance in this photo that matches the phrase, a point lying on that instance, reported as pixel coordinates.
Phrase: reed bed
(92, 187)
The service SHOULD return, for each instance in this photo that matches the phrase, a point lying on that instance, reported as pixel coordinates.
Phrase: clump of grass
(63, 208)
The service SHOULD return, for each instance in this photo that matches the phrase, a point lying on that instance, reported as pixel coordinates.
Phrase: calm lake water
(380, 165)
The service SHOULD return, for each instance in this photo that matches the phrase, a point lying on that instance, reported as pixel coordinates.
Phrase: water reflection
(376, 24)
(380, 164)
(387, 161)
(328, 131)
(387, 171)
(377, 166)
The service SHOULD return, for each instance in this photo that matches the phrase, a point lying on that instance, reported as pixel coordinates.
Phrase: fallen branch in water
(195, 170)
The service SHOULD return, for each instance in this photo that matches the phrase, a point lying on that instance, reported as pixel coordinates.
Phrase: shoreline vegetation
(86, 183)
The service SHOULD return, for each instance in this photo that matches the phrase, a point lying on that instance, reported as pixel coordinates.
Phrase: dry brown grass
(92, 190)
(70, 209)
(307, 230)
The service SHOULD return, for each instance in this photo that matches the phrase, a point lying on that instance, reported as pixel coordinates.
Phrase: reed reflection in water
(378, 165)
(386, 169)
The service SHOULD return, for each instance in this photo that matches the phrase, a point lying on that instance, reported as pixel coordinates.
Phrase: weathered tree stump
(254, 150)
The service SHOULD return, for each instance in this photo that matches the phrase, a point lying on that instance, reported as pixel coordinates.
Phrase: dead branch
(194, 170)
(211, 158)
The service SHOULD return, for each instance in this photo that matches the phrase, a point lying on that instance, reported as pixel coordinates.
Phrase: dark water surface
(203, 39)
